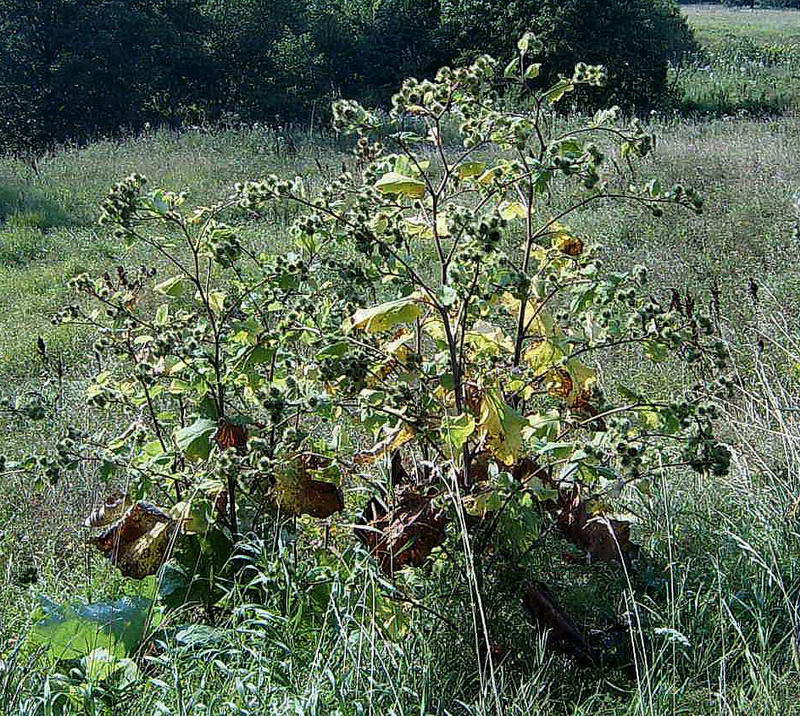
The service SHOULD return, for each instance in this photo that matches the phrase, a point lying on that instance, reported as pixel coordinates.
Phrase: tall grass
(749, 62)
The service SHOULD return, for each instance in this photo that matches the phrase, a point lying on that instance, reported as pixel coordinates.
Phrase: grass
(750, 61)
(714, 25)
(716, 611)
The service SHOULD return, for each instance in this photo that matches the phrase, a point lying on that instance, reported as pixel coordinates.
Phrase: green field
(714, 25)
(749, 61)
(718, 607)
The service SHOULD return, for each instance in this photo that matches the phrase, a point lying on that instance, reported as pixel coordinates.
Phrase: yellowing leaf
(542, 356)
(488, 338)
(394, 183)
(502, 426)
(420, 227)
(386, 315)
(482, 502)
(532, 71)
(398, 347)
(585, 377)
(558, 90)
(471, 169)
(216, 299)
(490, 175)
(512, 210)
(434, 327)
(394, 440)
(538, 321)
(417, 226)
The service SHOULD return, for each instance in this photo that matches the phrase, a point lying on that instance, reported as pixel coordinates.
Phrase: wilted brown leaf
(570, 245)
(528, 469)
(405, 535)
(581, 405)
(559, 383)
(139, 542)
(231, 435)
(605, 539)
(297, 493)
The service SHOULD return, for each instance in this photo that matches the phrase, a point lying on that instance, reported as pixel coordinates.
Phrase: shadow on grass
(26, 207)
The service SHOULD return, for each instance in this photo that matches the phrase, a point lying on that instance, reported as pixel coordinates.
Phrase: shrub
(634, 39)
(421, 359)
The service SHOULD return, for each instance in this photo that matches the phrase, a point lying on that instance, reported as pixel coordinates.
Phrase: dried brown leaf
(111, 510)
(405, 535)
(231, 435)
(297, 493)
(604, 538)
(139, 542)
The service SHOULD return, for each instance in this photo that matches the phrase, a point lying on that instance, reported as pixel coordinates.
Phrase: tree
(633, 39)
(73, 69)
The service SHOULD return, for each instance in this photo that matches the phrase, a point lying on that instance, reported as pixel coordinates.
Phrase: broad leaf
(394, 440)
(173, 287)
(512, 210)
(558, 90)
(72, 631)
(456, 430)
(140, 541)
(394, 183)
(387, 315)
(297, 493)
(502, 427)
(542, 356)
(195, 439)
(468, 170)
(488, 339)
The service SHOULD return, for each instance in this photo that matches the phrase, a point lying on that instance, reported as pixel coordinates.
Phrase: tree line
(76, 69)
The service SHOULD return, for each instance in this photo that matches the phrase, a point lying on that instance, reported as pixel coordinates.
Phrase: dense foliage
(72, 69)
(633, 39)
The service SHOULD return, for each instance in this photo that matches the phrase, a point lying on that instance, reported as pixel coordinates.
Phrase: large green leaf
(467, 170)
(394, 183)
(386, 315)
(195, 439)
(173, 287)
(72, 631)
(457, 429)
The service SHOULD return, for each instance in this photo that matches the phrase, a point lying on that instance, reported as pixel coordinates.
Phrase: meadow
(717, 607)
(749, 61)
